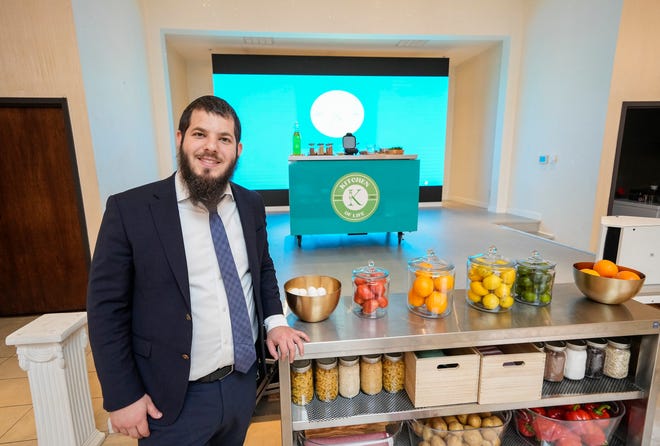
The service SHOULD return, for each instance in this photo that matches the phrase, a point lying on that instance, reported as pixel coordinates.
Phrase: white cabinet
(570, 316)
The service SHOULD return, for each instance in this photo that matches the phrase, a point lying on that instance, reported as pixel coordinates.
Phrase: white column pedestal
(52, 351)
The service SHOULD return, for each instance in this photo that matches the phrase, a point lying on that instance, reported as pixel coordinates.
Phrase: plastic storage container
(490, 279)
(535, 277)
(430, 286)
(371, 291)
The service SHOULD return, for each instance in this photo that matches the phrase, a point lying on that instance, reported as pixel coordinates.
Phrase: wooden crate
(442, 380)
(516, 375)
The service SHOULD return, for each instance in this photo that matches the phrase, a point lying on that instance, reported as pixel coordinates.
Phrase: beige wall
(40, 59)
(635, 77)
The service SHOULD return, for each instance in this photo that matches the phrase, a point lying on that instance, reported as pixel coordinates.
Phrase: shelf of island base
(570, 316)
(353, 194)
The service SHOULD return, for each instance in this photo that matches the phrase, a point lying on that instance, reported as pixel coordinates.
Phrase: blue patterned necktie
(241, 328)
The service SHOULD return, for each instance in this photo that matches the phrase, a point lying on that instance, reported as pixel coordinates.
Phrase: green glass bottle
(296, 140)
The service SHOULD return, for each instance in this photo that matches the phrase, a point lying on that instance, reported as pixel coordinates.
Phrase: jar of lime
(534, 279)
(430, 286)
(490, 279)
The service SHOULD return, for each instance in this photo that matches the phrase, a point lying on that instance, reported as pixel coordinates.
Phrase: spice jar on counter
(617, 357)
(576, 359)
(555, 360)
(371, 290)
(302, 382)
(371, 374)
(349, 376)
(326, 379)
(394, 372)
(595, 358)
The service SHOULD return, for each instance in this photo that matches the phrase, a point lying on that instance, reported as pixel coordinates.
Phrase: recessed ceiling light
(412, 43)
(258, 40)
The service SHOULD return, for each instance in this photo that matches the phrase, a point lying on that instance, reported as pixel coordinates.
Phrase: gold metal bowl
(313, 308)
(606, 290)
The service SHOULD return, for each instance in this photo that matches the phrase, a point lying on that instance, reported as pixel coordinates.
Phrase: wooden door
(44, 250)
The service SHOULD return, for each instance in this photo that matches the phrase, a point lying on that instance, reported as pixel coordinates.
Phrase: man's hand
(287, 339)
(132, 420)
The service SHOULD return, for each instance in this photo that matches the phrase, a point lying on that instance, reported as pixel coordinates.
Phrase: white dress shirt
(212, 343)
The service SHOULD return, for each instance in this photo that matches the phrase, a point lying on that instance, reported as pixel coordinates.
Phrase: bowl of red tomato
(590, 424)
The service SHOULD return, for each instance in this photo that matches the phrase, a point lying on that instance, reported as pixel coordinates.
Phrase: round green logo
(355, 197)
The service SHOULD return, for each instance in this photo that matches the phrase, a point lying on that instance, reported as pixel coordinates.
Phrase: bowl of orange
(605, 282)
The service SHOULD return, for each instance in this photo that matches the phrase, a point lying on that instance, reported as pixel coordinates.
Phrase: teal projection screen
(384, 101)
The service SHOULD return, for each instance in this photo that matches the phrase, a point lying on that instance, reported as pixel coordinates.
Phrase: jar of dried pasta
(326, 379)
(371, 374)
(394, 372)
(302, 382)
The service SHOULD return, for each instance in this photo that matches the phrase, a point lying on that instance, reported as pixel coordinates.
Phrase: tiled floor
(453, 231)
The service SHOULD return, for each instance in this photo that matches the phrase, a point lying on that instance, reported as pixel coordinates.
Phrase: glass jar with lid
(576, 359)
(555, 360)
(349, 376)
(371, 374)
(302, 382)
(371, 291)
(490, 279)
(394, 372)
(535, 277)
(326, 379)
(617, 358)
(595, 358)
(430, 286)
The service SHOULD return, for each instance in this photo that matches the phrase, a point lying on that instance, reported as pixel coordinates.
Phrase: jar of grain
(555, 359)
(576, 359)
(349, 376)
(617, 357)
(371, 374)
(326, 379)
(394, 372)
(302, 382)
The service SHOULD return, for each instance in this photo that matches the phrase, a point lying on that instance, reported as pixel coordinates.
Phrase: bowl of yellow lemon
(606, 282)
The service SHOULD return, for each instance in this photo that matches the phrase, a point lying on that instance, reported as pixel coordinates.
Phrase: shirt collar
(183, 193)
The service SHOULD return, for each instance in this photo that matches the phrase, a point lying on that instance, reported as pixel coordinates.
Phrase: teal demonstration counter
(345, 194)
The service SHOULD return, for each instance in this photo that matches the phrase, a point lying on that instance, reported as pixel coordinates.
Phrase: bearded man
(183, 298)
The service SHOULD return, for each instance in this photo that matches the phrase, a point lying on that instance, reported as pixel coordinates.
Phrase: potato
(427, 433)
(437, 441)
(493, 421)
(423, 443)
(418, 428)
(455, 426)
(462, 418)
(449, 419)
(472, 437)
(485, 414)
(474, 420)
(490, 434)
(454, 441)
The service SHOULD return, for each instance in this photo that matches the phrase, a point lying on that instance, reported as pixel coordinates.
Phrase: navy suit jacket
(138, 299)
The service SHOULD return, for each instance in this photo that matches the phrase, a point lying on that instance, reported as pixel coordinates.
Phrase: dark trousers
(214, 414)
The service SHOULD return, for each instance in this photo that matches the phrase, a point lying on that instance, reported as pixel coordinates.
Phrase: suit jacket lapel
(165, 213)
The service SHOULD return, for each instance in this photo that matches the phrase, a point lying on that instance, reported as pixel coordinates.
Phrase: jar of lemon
(430, 286)
(490, 278)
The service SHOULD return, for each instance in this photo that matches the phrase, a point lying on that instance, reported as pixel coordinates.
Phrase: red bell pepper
(568, 440)
(595, 437)
(524, 420)
(577, 414)
(538, 410)
(555, 412)
(598, 411)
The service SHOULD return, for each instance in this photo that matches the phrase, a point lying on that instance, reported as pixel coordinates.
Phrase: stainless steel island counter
(569, 316)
